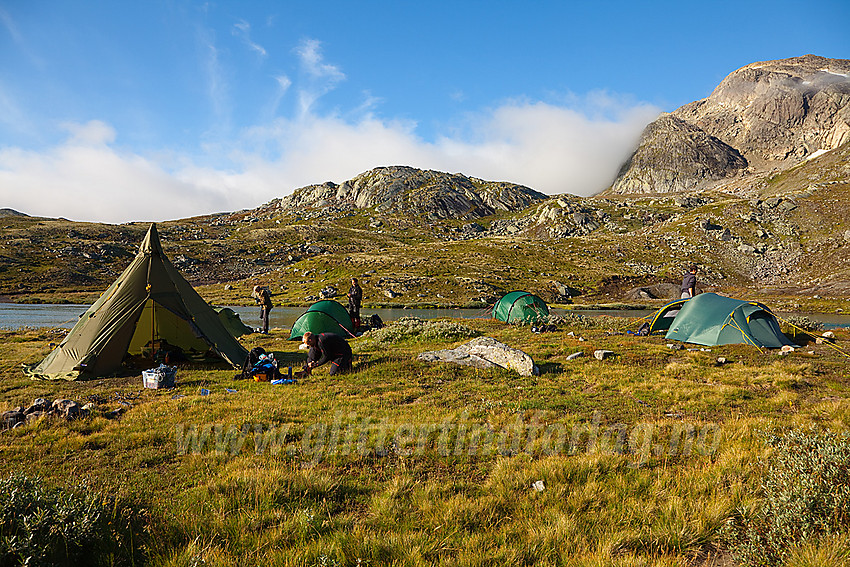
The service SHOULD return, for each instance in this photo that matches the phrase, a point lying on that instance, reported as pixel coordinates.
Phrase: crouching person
(327, 347)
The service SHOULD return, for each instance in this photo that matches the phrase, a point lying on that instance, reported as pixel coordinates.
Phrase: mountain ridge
(773, 114)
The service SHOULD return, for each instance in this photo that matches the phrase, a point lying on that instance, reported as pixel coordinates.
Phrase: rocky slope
(763, 118)
(406, 190)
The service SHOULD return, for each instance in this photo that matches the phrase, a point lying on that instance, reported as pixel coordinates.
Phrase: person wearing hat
(263, 297)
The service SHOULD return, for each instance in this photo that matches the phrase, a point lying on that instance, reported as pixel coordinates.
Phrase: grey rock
(763, 117)
(575, 355)
(726, 235)
(66, 408)
(39, 404)
(484, 353)
(602, 354)
(675, 346)
(407, 190)
(33, 416)
(12, 418)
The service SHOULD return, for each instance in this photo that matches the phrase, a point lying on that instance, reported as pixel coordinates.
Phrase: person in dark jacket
(355, 296)
(689, 282)
(263, 297)
(327, 347)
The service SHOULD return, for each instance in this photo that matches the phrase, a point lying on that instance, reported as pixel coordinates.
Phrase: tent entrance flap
(156, 323)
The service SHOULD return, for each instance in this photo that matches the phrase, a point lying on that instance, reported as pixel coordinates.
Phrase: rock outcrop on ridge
(762, 118)
(407, 190)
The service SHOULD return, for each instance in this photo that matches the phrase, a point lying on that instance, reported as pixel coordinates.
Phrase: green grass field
(640, 459)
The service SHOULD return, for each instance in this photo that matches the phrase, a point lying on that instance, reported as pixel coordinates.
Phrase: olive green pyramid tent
(520, 306)
(327, 316)
(232, 322)
(149, 302)
(710, 319)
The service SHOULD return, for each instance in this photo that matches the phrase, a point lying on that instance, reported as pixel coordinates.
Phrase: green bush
(416, 328)
(806, 496)
(575, 321)
(46, 526)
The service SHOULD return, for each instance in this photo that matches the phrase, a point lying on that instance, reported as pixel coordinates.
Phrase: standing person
(263, 297)
(327, 347)
(689, 282)
(355, 296)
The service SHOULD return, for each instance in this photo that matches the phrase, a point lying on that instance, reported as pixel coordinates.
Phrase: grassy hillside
(785, 241)
(640, 459)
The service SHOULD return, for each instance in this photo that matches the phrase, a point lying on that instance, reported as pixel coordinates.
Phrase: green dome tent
(710, 319)
(520, 306)
(149, 303)
(325, 316)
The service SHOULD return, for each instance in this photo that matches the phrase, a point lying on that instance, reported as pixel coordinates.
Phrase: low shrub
(47, 526)
(415, 328)
(608, 322)
(806, 496)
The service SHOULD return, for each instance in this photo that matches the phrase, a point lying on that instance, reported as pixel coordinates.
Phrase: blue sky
(116, 111)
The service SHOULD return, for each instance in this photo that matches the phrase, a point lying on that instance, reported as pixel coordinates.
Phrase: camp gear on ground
(150, 301)
(520, 306)
(710, 319)
(159, 377)
(326, 316)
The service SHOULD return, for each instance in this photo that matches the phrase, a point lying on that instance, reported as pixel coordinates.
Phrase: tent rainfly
(710, 319)
(326, 316)
(662, 319)
(149, 302)
(520, 306)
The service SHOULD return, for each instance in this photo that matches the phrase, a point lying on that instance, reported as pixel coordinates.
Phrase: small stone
(575, 355)
(674, 346)
(539, 486)
(786, 349)
(602, 354)
(721, 360)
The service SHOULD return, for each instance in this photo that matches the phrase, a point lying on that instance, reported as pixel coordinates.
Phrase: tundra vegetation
(654, 457)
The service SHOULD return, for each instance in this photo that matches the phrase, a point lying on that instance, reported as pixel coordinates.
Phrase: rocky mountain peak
(766, 116)
(407, 190)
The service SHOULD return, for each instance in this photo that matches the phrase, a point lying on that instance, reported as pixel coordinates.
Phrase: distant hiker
(355, 296)
(327, 347)
(689, 282)
(263, 296)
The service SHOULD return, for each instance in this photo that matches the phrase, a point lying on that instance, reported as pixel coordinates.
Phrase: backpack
(375, 322)
(252, 359)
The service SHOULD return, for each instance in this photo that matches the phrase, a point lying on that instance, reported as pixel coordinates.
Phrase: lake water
(15, 316)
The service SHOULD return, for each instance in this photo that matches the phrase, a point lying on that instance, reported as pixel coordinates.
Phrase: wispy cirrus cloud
(321, 77)
(242, 29)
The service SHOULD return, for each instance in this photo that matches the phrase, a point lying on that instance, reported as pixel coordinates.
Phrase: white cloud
(575, 146)
(548, 148)
(321, 77)
(242, 29)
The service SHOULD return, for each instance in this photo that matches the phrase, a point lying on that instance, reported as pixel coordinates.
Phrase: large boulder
(485, 353)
